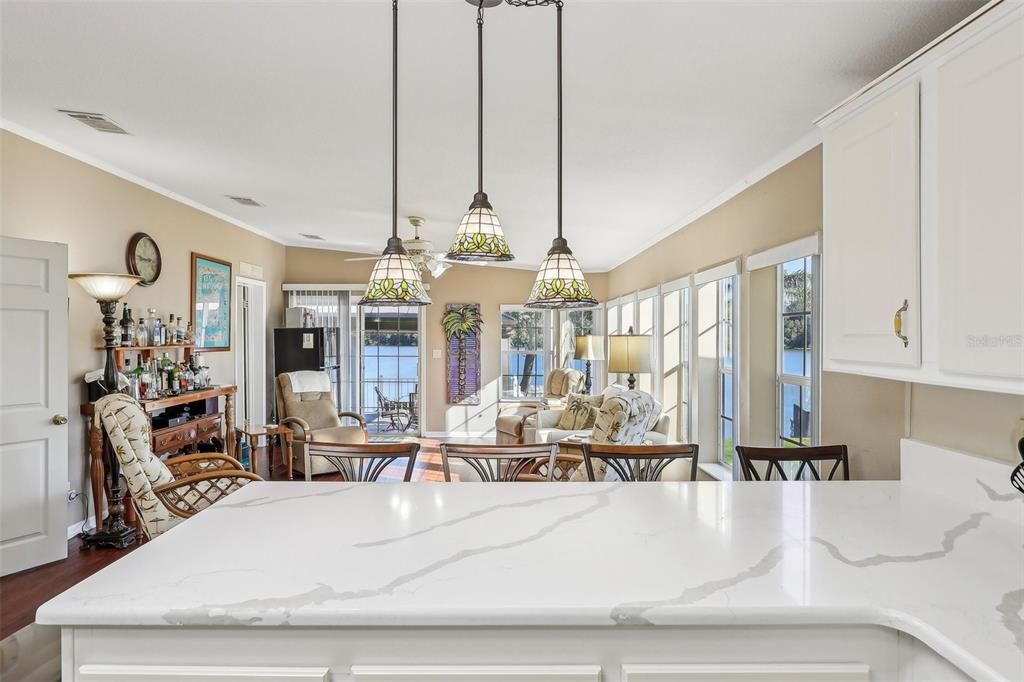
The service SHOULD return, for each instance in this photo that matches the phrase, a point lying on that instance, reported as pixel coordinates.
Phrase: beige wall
(974, 421)
(48, 196)
(489, 286)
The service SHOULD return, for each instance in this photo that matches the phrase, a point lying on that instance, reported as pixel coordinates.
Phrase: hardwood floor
(22, 593)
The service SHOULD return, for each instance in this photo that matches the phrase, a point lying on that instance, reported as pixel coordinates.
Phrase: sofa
(623, 416)
(511, 422)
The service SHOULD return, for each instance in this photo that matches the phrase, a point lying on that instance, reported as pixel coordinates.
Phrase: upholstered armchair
(313, 415)
(510, 425)
(164, 493)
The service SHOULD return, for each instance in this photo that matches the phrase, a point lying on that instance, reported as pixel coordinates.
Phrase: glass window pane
(727, 444)
(793, 286)
(793, 333)
(727, 395)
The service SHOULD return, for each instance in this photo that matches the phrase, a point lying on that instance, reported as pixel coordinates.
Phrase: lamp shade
(480, 237)
(105, 286)
(560, 283)
(395, 280)
(629, 353)
(589, 348)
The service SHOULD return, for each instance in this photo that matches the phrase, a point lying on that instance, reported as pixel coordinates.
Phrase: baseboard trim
(77, 527)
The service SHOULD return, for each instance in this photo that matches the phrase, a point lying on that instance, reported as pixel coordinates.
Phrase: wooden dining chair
(638, 462)
(810, 459)
(503, 463)
(366, 462)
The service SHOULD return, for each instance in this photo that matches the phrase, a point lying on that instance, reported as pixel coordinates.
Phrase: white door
(981, 207)
(872, 209)
(250, 351)
(33, 402)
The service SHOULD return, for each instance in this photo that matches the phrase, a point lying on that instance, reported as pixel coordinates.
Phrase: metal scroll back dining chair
(367, 462)
(392, 410)
(638, 462)
(810, 458)
(502, 463)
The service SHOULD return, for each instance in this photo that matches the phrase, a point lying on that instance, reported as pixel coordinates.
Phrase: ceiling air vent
(95, 121)
(314, 237)
(244, 201)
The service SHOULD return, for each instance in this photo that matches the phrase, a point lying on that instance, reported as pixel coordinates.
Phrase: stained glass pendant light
(560, 282)
(480, 237)
(395, 279)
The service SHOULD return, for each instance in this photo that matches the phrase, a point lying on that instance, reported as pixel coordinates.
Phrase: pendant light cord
(558, 9)
(394, 120)
(480, 97)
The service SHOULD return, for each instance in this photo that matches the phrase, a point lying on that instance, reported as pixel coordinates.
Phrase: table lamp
(630, 353)
(107, 289)
(589, 348)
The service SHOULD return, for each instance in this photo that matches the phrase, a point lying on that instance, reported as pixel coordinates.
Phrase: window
(726, 377)
(390, 367)
(796, 374)
(646, 323)
(675, 359)
(524, 351)
(581, 323)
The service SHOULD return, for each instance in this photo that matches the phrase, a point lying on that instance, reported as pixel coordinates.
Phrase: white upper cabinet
(981, 206)
(872, 209)
(924, 202)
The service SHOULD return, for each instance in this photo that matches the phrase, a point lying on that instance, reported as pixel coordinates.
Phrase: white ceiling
(668, 104)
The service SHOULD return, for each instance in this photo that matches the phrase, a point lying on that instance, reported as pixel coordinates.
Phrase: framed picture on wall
(211, 303)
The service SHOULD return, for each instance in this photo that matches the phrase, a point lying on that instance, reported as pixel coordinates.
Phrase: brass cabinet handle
(59, 420)
(897, 323)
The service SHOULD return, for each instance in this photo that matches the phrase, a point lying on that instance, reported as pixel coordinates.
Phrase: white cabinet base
(820, 653)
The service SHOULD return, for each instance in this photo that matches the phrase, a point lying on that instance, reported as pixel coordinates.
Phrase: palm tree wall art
(461, 323)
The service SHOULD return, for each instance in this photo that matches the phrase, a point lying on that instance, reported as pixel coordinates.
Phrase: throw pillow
(580, 412)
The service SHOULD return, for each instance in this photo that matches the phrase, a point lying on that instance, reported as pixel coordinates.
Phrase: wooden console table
(169, 439)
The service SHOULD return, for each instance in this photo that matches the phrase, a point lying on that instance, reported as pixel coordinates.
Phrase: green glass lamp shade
(395, 280)
(560, 282)
(480, 237)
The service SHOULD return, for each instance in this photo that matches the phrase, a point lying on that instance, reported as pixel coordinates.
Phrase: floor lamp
(107, 289)
(589, 348)
(630, 353)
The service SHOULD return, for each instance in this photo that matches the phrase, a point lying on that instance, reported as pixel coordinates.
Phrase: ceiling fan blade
(352, 260)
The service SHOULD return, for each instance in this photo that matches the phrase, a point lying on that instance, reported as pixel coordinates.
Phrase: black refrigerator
(298, 348)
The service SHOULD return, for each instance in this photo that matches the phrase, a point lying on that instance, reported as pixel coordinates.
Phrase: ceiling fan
(421, 252)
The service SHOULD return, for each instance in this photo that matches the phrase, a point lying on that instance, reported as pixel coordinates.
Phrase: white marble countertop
(948, 572)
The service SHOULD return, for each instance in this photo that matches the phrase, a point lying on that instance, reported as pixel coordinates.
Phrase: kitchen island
(915, 580)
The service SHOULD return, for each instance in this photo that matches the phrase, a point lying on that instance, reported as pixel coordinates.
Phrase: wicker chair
(164, 493)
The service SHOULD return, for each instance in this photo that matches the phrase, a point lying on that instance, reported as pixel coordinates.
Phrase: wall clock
(143, 258)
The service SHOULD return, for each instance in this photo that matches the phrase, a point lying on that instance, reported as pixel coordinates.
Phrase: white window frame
(812, 382)
(654, 296)
(807, 247)
(684, 287)
(547, 352)
(731, 269)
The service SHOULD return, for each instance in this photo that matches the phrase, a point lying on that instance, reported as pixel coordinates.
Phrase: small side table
(253, 432)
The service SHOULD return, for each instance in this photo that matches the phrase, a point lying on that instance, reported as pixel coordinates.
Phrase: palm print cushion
(580, 412)
(626, 417)
(128, 430)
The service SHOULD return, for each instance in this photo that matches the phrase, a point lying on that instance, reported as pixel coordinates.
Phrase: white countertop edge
(532, 617)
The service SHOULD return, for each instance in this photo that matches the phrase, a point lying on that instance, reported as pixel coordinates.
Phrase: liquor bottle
(182, 378)
(180, 332)
(139, 379)
(154, 330)
(141, 333)
(127, 328)
(127, 371)
(171, 331)
(190, 336)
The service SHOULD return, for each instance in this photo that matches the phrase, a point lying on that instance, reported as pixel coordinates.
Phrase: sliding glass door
(389, 369)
